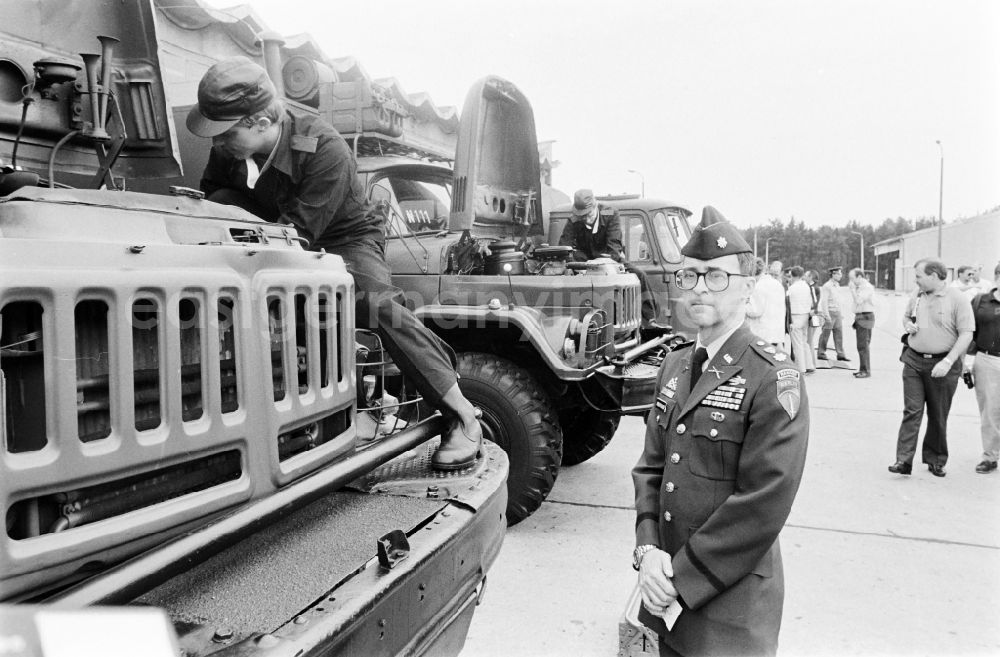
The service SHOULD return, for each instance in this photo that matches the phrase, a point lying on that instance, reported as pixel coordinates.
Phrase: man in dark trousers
(596, 231)
(291, 167)
(939, 325)
(724, 452)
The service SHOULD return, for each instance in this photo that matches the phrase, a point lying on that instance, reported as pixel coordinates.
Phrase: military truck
(190, 419)
(551, 351)
(653, 232)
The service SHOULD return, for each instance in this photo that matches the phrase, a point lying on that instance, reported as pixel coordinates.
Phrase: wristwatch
(639, 553)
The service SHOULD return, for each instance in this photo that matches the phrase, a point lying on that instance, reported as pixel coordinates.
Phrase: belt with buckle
(928, 356)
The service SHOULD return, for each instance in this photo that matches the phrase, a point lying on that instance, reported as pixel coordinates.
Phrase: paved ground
(875, 563)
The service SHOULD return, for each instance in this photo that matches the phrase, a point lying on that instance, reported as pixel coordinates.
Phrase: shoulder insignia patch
(303, 143)
(788, 374)
(789, 395)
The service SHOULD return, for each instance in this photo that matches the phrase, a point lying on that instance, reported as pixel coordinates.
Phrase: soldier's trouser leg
(838, 334)
(824, 336)
(380, 306)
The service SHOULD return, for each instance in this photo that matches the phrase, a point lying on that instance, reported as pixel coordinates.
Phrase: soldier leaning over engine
(724, 453)
(290, 167)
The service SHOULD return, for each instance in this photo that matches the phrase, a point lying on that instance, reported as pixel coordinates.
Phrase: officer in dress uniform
(724, 452)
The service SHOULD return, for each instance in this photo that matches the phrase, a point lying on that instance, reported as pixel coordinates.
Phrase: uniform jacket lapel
(717, 371)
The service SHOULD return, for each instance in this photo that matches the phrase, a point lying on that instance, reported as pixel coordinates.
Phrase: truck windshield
(672, 231)
(413, 205)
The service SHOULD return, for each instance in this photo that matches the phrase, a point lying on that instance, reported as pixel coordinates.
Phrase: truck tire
(517, 416)
(586, 431)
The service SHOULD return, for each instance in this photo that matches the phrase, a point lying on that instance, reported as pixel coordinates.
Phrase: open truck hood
(497, 187)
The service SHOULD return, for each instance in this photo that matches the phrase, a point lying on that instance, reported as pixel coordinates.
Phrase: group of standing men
(787, 304)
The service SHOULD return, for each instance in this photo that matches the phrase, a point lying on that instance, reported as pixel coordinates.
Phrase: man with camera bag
(939, 325)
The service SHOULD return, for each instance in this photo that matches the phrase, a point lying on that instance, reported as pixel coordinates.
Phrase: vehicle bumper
(422, 605)
(629, 383)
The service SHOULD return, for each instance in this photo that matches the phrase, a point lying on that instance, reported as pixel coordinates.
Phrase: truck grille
(135, 394)
(627, 313)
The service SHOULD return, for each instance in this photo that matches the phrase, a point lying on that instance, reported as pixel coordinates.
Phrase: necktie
(698, 364)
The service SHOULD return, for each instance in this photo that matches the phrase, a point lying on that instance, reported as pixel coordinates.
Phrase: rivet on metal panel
(382, 622)
(222, 635)
(267, 640)
(136, 248)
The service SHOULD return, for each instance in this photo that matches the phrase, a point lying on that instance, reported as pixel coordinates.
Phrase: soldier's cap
(714, 237)
(834, 270)
(583, 202)
(230, 90)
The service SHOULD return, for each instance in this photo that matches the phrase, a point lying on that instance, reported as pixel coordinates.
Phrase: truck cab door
(669, 230)
(641, 254)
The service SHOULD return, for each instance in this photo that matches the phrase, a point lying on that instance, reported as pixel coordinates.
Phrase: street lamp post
(767, 251)
(940, 197)
(861, 235)
(642, 181)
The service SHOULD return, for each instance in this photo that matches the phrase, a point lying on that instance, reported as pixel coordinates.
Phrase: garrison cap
(230, 90)
(714, 237)
(583, 202)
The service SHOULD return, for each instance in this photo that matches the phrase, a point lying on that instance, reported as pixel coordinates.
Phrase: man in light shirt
(939, 324)
(800, 304)
(863, 294)
(830, 311)
(766, 308)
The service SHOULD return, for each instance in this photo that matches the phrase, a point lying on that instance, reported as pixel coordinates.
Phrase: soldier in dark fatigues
(724, 453)
(595, 231)
(293, 168)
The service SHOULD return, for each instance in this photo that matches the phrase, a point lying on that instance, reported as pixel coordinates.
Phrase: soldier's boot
(461, 444)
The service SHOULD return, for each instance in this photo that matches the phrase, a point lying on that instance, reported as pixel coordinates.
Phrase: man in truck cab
(291, 167)
(595, 231)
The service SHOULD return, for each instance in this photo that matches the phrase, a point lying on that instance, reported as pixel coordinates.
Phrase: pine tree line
(821, 248)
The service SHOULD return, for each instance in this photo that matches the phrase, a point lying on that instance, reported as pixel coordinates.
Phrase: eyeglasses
(716, 280)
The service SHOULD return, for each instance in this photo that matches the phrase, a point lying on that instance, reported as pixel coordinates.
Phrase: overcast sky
(825, 111)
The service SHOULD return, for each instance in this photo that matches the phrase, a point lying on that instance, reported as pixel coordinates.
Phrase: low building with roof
(969, 241)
